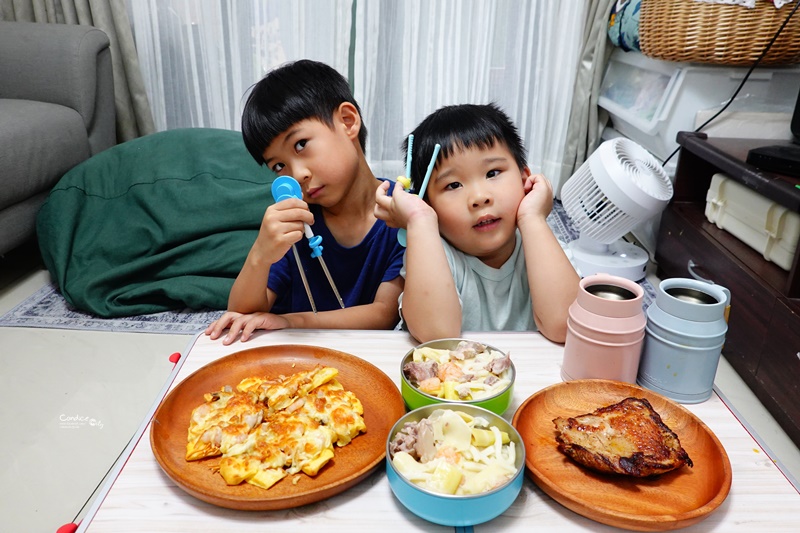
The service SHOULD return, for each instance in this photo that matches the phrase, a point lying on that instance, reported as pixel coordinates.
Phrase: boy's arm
(380, 314)
(431, 308)
(552, 279)
(249, 292)
(281, 227)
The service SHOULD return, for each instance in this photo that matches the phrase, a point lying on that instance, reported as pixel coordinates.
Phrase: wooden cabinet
(779, 368)
(763, 339)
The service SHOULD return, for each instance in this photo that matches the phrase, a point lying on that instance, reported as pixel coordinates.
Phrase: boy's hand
(281, 227)
(538, 199)
(399, 208)
(245, 324)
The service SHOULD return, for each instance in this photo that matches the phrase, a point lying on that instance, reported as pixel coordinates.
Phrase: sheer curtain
(404, 60)
(199, 57)
(412, 57)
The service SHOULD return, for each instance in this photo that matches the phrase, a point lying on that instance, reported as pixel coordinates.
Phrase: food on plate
(469, 372)
(627, 438)
(452, 452)
(268, 428)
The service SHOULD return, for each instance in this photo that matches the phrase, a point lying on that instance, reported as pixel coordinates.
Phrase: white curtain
(404, 58)
(200, 57)
(414, 56)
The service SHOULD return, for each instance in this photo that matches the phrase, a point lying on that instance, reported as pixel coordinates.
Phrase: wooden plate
(673, 500)
(381, 399)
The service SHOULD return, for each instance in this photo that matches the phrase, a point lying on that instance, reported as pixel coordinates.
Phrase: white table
(140, 497)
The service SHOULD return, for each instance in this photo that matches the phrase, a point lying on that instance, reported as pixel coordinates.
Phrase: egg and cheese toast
(226, 418)
(626, 438)
(269, 428)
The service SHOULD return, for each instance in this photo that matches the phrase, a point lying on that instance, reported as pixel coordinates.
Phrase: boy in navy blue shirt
(301, 120)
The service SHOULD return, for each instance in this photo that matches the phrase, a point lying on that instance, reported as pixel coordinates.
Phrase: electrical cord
(744, 80)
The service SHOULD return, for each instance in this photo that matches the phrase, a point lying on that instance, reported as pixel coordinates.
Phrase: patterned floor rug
(48, 309)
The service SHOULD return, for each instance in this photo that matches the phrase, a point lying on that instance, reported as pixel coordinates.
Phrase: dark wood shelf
(702, 157)
(763, 339)
(765, 271)
(728, 156)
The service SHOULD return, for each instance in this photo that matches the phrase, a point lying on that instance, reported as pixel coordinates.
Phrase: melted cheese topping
(269, 428)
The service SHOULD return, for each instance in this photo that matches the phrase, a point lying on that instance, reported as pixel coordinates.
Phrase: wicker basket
(722, 34)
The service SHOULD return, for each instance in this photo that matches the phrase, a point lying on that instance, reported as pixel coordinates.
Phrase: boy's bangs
(469, 140)
(262, 123)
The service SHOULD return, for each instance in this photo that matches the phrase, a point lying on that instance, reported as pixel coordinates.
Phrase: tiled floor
(76, 397)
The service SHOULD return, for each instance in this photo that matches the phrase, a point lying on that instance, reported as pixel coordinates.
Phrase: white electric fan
(618, 187)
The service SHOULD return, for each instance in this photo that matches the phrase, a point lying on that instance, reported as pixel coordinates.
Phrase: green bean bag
(161, 222)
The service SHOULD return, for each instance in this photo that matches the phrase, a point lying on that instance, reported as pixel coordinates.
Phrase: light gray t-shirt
(492, 299)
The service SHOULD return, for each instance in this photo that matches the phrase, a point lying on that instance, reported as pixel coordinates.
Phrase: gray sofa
(56, 110)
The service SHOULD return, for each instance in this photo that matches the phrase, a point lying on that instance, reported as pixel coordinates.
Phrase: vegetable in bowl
(455, 464)
(454, 453)
(457, 371)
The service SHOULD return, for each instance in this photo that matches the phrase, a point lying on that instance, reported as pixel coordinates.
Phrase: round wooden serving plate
(381, 399)
(670, 501)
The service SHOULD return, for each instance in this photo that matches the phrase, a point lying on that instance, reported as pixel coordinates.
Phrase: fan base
(619, 258)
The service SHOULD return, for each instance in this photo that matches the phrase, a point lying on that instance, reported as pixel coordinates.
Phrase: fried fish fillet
(627, 438)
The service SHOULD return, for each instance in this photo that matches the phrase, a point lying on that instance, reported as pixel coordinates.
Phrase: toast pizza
(626, 438)
(268, 428)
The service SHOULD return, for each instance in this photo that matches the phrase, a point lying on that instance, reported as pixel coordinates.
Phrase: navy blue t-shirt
(357, 271)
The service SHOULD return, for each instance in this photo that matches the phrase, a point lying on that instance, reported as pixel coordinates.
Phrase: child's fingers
(382, 201)
(290, 210)
(280, 229)
(229, 338)
(235, 328)
(215, 329)
(289, 203)
(541, 181)
(249, 328)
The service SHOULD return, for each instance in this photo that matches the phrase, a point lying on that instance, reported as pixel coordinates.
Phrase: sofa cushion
(39, 142)
(161, 222)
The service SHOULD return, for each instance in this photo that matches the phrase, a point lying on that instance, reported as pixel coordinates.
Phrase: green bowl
(415, 398)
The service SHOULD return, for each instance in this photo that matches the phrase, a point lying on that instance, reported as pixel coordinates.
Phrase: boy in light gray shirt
(483, 220)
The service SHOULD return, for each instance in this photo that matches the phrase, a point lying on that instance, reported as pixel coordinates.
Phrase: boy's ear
(350, 119)
(526, 173)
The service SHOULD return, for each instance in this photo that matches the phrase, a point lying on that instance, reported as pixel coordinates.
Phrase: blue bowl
(457, 510)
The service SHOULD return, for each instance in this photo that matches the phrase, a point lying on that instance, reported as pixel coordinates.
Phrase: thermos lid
(610, 296)
(692, 300)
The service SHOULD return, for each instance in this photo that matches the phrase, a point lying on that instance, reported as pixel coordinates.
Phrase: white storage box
(762, 224)
(650, 100)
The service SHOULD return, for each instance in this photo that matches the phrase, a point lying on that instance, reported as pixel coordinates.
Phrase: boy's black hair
(460, 127)
(288, 94)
